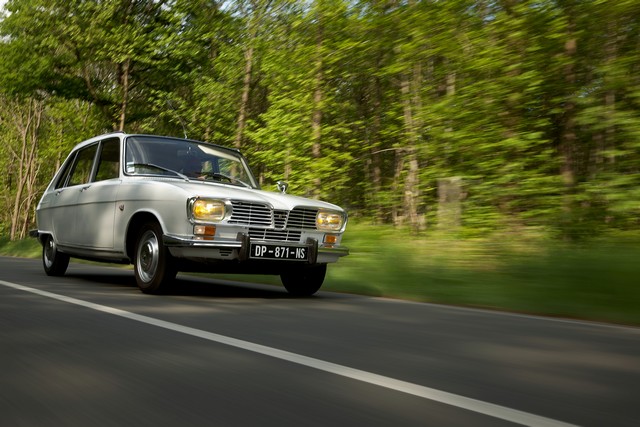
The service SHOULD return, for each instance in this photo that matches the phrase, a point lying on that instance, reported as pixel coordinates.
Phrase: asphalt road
(88, 349)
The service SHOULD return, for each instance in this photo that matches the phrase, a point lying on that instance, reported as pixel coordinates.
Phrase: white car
(169, 204)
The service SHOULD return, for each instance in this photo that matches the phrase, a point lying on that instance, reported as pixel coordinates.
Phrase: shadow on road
(186, 285)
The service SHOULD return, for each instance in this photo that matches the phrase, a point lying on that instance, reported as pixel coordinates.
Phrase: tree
(526, 109)
(297, 137)
(113, 53)
(23, 123)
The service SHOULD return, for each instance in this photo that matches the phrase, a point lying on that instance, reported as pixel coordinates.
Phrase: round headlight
(208, 210)
(329, 220)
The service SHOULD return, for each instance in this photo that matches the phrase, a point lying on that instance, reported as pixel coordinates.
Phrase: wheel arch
(133, 228)
(42, 235)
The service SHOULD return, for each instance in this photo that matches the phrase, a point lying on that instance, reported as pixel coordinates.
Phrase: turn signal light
(204, 232)
(330, 238)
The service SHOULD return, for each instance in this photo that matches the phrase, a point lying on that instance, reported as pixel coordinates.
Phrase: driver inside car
(193, 168)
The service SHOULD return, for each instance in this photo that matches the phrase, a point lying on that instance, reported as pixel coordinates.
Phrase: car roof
(122, 135)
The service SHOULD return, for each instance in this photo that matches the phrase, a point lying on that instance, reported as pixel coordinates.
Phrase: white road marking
(478, 406)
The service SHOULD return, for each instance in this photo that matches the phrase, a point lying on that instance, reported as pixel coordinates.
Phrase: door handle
(86, 187)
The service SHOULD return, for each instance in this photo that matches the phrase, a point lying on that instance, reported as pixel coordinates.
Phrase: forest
(458, 116)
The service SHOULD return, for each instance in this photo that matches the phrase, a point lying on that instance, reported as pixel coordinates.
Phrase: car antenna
(184, 129)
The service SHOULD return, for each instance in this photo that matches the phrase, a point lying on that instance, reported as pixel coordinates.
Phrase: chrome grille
(302, 219)
(275, 235)
(269, 225)
(248, 213)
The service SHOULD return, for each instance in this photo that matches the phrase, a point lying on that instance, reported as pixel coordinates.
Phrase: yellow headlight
(208, 210)
(329, 221)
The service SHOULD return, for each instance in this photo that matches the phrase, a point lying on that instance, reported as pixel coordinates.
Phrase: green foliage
(534, 105)
(111, 53)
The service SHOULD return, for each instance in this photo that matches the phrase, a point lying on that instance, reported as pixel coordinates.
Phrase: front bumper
(238, 250)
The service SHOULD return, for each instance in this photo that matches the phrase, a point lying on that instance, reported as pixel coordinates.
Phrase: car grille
(275, 235)
(302, 219)
(272, 225)
(248, 213)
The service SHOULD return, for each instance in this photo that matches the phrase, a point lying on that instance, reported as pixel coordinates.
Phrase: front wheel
(55, 263)
(153, 266)
(304, 282)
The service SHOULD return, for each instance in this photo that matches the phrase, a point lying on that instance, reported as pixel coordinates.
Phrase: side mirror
(282, 186)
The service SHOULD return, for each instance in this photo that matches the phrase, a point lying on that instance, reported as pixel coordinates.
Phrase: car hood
(276, 200)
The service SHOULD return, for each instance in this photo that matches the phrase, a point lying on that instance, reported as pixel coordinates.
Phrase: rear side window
(64, 176)
(83, 166)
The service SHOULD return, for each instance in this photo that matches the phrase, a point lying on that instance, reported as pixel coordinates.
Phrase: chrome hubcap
(49, 252)
(148, 256)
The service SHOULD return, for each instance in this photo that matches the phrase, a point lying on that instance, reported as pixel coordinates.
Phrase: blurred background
(488, 152)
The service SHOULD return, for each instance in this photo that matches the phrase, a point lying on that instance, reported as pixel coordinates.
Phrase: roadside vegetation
(526, 273)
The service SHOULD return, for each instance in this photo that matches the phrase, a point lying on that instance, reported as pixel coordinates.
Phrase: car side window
(83, 166)
(109, 163)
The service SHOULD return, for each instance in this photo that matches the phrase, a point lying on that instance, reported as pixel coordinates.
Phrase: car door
(64, 201)
(95, 206)
(56, 205)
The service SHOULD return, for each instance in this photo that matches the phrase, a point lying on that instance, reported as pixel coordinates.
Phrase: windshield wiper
(161, 168)
(220, 176)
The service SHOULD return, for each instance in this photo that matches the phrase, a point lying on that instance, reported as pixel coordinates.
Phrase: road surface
(88, 349)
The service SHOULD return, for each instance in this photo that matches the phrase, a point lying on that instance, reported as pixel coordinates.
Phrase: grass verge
(523, 273)
(27, 248)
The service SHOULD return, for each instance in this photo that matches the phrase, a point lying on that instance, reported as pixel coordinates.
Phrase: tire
(153, 265)
(55, 263)
(304, 282)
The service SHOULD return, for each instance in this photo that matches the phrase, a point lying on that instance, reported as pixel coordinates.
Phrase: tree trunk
(246, 89)
(125, 69)
(396, 216)
(318, 95)
(376, 170)
(256, 11)
(410, 88)
(27, 120)
(450, 197)
(611, 53)
(29, 203)
(568, 136)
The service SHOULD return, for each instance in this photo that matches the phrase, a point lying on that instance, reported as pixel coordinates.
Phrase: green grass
(27, 248)
(525, 273)
(522, 273)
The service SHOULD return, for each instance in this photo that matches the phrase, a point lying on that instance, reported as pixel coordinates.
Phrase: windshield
(192, 160)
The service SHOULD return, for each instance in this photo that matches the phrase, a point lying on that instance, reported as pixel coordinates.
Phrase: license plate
(270, 251)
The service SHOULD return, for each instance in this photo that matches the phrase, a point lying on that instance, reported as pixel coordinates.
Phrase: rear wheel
(154, 266)
(304, 282)
(55, 263)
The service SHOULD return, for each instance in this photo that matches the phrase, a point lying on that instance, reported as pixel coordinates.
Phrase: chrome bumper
(200, 248)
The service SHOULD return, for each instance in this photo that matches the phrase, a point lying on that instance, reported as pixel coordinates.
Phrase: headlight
(329, 220)
(208, 210)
